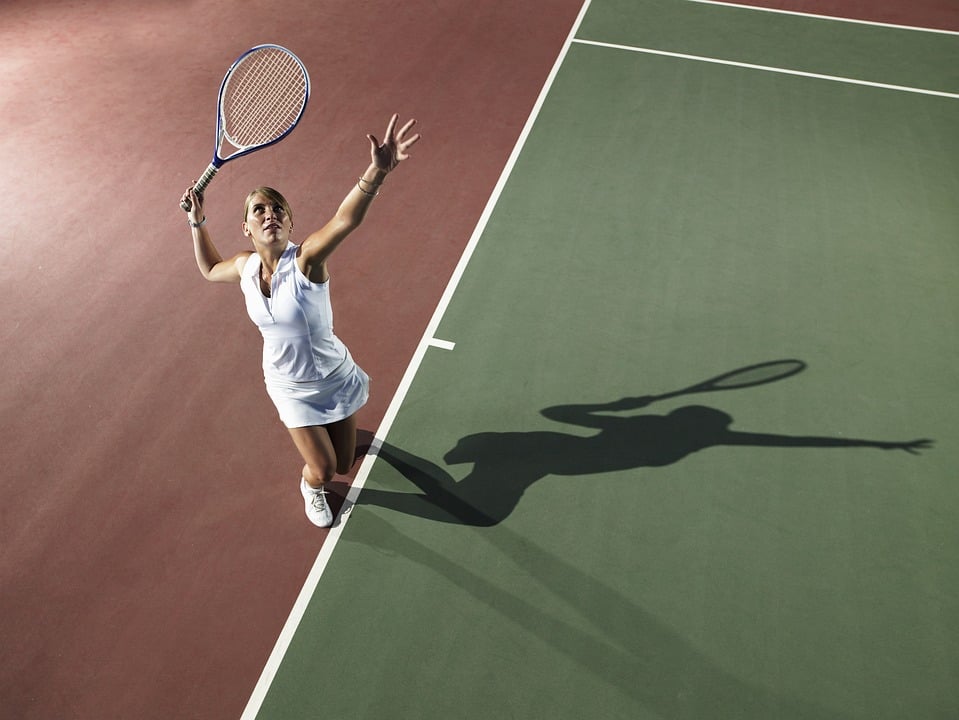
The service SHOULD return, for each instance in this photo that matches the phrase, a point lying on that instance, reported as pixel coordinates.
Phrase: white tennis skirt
(334, 398)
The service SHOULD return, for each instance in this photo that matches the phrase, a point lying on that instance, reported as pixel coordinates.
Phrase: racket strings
(263, 98)
(266, 99)
(270, 96)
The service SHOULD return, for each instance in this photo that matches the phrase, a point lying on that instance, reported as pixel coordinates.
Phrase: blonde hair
(274, 196)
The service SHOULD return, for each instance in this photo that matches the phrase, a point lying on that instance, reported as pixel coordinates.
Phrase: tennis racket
(262, 98)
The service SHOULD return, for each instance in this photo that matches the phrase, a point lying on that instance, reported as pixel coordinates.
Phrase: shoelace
(319, 500)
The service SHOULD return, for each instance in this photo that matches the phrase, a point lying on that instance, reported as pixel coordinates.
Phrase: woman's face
(267, 222)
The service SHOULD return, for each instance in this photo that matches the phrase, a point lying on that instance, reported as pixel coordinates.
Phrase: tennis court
(530, 544)
(549, 523)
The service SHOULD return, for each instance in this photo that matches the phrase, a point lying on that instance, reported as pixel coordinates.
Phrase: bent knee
(319, 474)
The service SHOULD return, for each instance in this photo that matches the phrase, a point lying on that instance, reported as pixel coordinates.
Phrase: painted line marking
(442, 344)
(323, 557)
(766, 68)
(817, 16)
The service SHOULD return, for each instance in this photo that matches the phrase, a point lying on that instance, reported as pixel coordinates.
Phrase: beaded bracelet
(199, 224)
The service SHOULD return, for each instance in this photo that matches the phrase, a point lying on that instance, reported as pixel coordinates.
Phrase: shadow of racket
(744, 377)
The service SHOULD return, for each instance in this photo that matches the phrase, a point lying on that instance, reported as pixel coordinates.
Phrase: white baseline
(767, 68)
(816, 16)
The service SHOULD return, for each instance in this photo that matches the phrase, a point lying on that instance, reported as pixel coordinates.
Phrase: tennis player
(313, 381)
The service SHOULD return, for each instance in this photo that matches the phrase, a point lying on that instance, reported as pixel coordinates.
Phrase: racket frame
(219, 160)
(713, 384)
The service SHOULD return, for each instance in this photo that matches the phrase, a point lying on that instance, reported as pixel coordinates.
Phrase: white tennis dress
(309, 373)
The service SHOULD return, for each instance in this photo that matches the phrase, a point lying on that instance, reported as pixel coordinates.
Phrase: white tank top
(296, 322)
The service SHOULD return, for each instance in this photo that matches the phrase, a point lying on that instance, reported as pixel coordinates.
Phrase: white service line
(442, 344)
(816, 16)
(319, 565)
(766, 68)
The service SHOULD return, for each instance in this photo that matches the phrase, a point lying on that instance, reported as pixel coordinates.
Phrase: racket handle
(201, 184)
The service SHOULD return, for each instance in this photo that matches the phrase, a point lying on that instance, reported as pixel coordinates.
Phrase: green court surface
(535, 541)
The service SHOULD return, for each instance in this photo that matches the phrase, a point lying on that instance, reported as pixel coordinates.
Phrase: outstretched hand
(388, 154)
(912, 447)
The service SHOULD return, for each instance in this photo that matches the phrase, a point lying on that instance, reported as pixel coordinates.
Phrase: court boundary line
(766, 68)
(442, 344)
(428, 339)
(818, 16)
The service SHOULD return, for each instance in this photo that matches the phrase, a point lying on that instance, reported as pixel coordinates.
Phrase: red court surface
(152, 538)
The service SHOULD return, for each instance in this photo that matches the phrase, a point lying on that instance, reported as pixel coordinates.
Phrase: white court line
(442, 344)
(826, 17)
(319, 565)
(767, 68)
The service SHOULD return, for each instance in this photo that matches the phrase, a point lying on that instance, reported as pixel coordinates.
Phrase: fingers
(395, 136)
(391, 126)
(405, 129)
(915, 446)
(409, 142)
(404, 143)
(395, 144)
(191, 201)
(401, 153)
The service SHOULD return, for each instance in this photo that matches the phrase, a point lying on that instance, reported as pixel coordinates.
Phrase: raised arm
(585, 414)
(384, 157)
(732, 437)
(212, 266)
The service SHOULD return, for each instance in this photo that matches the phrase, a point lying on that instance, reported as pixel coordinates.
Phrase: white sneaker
(317, 508)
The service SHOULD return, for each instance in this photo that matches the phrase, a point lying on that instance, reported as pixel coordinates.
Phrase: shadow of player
(505, 464)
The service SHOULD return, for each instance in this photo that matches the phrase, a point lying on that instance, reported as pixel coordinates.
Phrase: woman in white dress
(309, 373)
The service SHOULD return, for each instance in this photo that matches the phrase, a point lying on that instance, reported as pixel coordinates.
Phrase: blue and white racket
(262, 97)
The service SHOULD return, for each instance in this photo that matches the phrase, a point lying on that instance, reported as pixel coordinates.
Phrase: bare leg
(343, 437)
(326, 450)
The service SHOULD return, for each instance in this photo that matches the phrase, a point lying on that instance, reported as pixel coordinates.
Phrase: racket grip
(201, 184)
